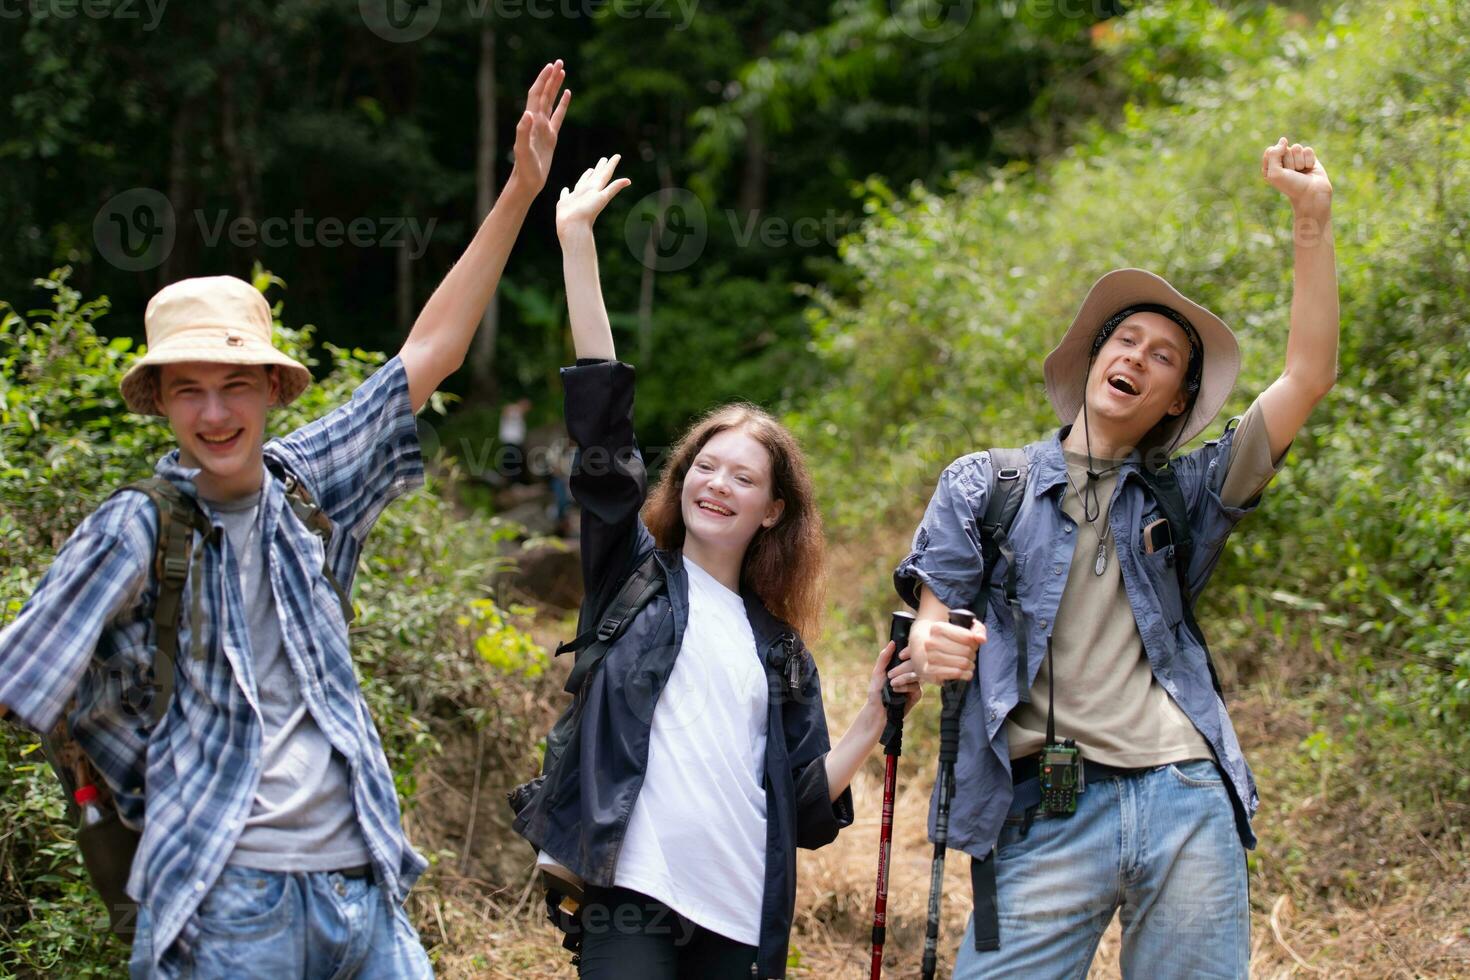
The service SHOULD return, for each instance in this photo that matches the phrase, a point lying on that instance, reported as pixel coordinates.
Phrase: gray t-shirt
(302, 817)
(1108, 698)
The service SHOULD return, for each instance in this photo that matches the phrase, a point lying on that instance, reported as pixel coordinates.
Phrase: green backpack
(107, 844)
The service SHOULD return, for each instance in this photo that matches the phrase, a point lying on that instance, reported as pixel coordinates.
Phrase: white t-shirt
(696, 840)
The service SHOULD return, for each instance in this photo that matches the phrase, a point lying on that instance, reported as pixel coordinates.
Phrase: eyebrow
(1166, 340)
(706, 454)
(180, 382)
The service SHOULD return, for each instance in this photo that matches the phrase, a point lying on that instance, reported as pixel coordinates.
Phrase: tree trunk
(482, 352)
(650, 262)
(403, 282)
(180, 139)
(753, 179)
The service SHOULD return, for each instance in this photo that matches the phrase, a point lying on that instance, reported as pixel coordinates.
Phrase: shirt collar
(1050, 463)
(172, 469)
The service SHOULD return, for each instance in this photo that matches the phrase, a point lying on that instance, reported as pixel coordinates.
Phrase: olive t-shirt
(1107, 697)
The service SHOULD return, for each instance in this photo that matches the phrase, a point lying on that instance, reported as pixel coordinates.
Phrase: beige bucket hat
(1066, 367)
(214, 319)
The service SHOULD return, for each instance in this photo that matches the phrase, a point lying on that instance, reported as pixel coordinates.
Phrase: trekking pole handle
(899, 626)
(953, 696)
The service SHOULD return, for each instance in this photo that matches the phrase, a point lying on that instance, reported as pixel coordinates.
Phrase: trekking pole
(953, 698)
(898, 632)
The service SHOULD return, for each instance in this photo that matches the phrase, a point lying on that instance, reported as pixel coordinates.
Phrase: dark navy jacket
(582, 815)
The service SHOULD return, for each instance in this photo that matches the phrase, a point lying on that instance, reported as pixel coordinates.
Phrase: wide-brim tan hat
(1066, 367)
(211, 319)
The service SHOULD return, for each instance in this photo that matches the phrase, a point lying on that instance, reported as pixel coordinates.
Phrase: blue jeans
(1160, 846)
(279, 925)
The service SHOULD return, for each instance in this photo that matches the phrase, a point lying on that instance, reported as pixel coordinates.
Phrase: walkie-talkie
(1061, 763)
(1061, 778)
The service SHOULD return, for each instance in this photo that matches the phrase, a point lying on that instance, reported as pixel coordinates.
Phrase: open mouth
(222, 443)
(709, 506)
(1122, 383)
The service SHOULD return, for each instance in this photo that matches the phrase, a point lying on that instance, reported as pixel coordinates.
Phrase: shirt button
(199, 886)
(1056, 569)
(1069, 529)
(1045, 623)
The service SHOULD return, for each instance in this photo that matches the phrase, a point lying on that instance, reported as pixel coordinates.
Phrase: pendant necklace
(1100, 563)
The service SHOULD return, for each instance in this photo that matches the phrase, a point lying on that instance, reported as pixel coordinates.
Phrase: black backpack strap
(1008, 468)
(179, 517)
(317, 522)
(637, 591)
(1165, 486)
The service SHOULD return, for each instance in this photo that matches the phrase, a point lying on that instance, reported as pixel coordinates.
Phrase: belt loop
(987, 913)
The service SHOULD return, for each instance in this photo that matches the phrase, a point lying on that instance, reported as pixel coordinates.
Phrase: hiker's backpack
(563, 889)
(1007, 490)
(107, 844)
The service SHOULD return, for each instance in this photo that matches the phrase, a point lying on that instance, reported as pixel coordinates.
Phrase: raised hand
(579, 206)
(539, 125)
(1295, 171)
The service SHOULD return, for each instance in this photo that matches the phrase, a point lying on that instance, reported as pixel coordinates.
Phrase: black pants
(628, 936)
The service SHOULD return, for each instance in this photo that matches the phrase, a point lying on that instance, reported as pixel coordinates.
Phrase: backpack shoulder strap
(307, 511)
(1008, 469)
(1165, 486)
(637, 591)
(179, 517)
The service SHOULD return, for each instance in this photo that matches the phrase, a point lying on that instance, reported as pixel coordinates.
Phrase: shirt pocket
(1163, 579)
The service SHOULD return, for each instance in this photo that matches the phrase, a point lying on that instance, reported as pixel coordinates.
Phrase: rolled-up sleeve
(360, 456)
(1222, 482)
(98, 573)
(946, 552)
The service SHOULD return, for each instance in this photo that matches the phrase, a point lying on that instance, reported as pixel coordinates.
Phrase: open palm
(539, 125)
(579, 206)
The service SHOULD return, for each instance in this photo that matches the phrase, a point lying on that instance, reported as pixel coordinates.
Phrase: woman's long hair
(783, 564)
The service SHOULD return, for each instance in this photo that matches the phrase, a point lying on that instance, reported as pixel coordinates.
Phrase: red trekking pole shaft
(898, 632)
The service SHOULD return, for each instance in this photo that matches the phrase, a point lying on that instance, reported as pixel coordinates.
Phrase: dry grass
(1345, 883)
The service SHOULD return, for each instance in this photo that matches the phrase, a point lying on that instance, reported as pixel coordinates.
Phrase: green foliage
(957, 299)
(433, 658)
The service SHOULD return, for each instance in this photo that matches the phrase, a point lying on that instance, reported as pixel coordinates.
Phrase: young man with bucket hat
(1098, 771)
(271, 844)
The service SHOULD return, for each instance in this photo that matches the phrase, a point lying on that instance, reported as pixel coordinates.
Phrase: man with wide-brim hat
(1098, 771)
(273, 845)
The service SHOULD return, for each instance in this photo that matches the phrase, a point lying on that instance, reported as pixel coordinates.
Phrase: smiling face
(728, 493)
(217, 412)
(1138, 377)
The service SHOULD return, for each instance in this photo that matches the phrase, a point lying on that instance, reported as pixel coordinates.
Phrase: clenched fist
(1295, 171)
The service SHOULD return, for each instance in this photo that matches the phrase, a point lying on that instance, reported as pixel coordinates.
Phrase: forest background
(872, 217)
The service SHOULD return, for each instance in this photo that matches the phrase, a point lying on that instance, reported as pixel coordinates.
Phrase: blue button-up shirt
(87, 631)
(946, 557)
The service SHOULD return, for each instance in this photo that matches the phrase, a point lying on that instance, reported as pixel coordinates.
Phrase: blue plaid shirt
(86, 631)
